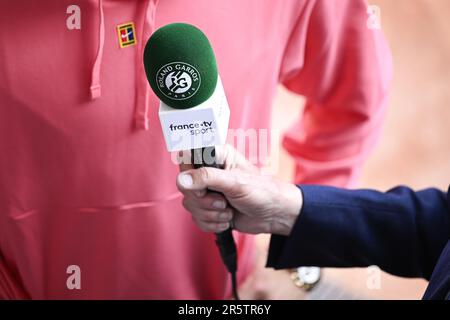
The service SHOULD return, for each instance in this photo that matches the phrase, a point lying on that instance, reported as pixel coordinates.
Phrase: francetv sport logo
(194, 128)
(178, 80)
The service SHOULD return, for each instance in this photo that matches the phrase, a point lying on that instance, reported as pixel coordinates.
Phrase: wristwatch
(306, 278)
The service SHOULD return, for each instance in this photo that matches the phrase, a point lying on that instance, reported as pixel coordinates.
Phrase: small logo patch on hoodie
(127, 34)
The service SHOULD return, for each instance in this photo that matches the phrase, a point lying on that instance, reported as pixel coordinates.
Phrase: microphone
(181, 69)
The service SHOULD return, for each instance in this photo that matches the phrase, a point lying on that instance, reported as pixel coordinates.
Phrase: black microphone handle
(206, 157)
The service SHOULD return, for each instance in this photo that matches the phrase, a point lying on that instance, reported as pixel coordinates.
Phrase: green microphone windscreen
(180, 65)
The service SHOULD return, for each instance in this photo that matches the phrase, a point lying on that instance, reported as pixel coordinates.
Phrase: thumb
(223, 181)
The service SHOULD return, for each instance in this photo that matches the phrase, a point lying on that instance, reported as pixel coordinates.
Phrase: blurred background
(414, 149)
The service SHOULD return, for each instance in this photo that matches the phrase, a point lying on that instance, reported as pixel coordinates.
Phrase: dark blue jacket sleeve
(401, 231)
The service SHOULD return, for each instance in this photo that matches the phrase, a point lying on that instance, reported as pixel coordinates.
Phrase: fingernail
(224, 226)
(225, 216)
(219, 204)
(185, 180)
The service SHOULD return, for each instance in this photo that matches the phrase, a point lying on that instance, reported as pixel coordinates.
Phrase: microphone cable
(206, 157)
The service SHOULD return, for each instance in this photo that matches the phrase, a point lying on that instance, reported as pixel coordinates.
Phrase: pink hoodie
(85, 178)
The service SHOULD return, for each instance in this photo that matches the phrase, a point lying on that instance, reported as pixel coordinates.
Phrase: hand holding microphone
(258, 204)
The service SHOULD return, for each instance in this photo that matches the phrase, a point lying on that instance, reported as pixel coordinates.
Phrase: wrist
(290, 201)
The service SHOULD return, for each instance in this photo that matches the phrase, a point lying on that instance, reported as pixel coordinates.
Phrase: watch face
(309, 275)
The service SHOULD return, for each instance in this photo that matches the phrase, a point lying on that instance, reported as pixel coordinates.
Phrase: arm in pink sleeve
(344, 71)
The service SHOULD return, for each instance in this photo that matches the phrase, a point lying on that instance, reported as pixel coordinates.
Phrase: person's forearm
(401, 231)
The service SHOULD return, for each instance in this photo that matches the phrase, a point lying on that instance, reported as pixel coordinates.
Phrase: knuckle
(202, 215)
(205, 174)
(205, 227)
(198, 218)
(202, 203)
(214, 216)
(198, 222)
(188, 205)
(185, 203)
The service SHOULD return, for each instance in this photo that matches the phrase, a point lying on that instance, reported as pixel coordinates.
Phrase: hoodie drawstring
(142, 87)
(96, 91)
(143, 92)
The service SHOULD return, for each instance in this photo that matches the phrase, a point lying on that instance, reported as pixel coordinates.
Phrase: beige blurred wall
(414, 148)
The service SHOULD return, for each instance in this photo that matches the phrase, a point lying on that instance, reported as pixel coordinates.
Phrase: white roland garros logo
(178, 80)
